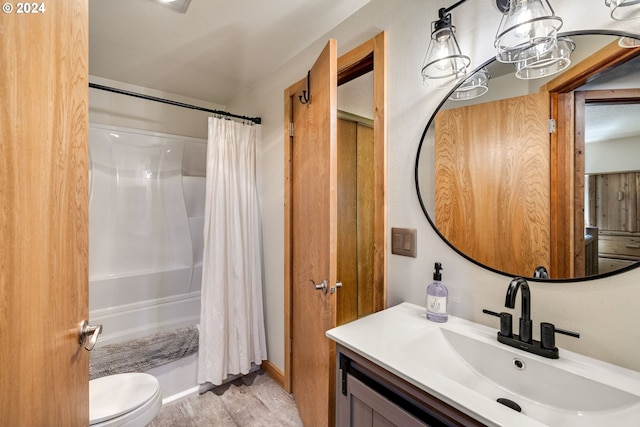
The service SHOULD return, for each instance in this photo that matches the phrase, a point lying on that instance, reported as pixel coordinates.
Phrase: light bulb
(444, 50)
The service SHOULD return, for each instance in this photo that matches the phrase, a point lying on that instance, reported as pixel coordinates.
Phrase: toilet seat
(132, 399)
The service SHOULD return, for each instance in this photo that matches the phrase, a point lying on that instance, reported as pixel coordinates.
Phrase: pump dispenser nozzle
(436, 274)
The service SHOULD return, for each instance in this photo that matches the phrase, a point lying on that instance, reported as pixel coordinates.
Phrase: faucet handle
(566, 332)
(491, 313)
(548, 335)
(505, 322)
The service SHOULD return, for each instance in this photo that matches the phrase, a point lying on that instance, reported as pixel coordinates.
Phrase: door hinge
(552, 125)
(290, 128)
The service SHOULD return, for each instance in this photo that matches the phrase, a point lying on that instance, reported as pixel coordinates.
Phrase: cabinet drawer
(619, 246)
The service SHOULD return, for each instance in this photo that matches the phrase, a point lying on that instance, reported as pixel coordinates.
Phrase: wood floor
(254, 400)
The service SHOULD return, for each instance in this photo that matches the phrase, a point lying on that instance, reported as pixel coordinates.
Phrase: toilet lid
(114, 395)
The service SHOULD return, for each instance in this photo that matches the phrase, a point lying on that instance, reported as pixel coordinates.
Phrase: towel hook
(306, 94)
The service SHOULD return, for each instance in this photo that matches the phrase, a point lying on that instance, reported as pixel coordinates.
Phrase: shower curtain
(232, 333)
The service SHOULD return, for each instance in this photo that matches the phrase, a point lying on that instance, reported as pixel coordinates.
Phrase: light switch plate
(403, 241)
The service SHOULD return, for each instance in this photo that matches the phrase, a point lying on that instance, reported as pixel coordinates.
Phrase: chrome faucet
(525, 315)
(546, 347)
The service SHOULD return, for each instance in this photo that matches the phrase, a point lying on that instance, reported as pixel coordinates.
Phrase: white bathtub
(177, 379)
(146, 216)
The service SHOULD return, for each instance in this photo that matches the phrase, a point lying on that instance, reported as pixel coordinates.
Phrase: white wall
(618, 155)
(603, 311)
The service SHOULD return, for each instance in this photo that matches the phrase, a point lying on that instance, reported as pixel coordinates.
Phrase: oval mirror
(540, 178)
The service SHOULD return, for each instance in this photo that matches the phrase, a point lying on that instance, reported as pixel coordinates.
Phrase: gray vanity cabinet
(369, 396)
(367, 408)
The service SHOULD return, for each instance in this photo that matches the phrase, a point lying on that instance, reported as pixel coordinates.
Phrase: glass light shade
(527, 30)
(628, 42)
(444, 61)
(624, 10)
(549, 63)
(476, 85)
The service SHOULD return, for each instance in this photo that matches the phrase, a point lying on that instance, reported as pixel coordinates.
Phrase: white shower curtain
(232, 333)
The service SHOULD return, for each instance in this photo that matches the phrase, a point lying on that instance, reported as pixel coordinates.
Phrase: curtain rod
(256, 120)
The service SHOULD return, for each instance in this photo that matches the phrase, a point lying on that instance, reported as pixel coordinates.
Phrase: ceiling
(214, 51)
(611, 122)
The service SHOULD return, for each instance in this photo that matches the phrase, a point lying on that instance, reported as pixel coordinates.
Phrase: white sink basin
(554, 392)
(463, 364)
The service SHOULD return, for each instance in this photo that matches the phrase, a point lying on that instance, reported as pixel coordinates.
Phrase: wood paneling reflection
(492, 182)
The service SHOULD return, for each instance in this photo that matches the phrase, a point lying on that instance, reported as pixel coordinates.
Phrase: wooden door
(493, 182)
(356, 216)
(44, 215)
(347, 216)
(313, 237)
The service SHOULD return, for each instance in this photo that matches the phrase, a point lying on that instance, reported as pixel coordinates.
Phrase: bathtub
(178, 379)
(146, 215)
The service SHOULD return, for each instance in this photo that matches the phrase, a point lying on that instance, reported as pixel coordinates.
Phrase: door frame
(567, 155)
(368, 57)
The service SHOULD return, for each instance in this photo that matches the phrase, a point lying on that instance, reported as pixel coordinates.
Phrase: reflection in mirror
(612, 176)
(509, 195)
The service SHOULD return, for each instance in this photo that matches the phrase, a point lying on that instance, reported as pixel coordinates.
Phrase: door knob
(89, 332)
(322, 286)
(338, 285)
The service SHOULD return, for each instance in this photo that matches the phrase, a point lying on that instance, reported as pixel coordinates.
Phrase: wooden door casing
(44, 216)
(368, 57)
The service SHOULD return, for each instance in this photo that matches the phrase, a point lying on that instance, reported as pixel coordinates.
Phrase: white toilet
(130, 400)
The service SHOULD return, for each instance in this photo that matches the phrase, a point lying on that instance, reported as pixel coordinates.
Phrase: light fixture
(624, 10)
(628, 42)
(528, 29)
(551, 62)
(476, 85)
(444, 62)
(177, 5)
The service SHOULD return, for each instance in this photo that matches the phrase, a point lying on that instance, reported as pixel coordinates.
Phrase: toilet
(130, 400)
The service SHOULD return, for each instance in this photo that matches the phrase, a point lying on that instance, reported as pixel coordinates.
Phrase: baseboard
(272, 370)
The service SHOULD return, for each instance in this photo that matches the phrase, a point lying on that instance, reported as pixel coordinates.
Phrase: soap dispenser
(437, 294)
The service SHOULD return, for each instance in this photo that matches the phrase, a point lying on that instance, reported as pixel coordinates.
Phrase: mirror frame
(558, 85)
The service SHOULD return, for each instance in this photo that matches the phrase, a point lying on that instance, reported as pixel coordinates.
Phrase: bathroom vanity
(367, 395)
(395, 367)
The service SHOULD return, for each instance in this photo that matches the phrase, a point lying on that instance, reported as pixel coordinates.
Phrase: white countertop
(378, 336)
